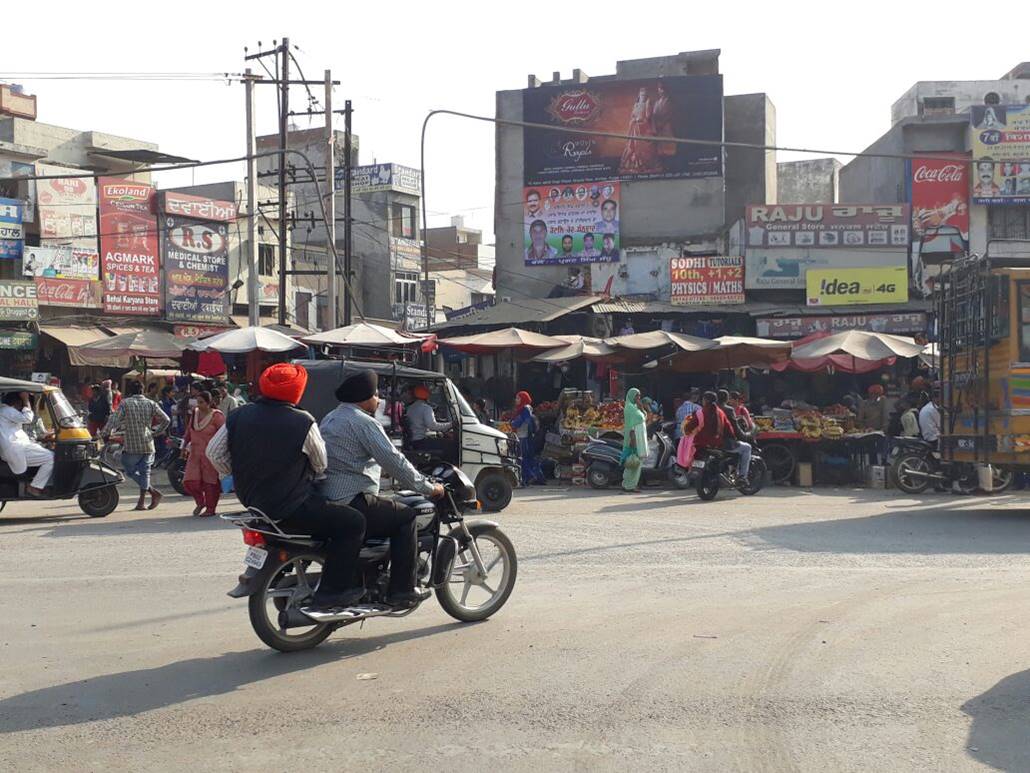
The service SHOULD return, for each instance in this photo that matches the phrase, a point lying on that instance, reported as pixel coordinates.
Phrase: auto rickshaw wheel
(494, 490)
(99, 502)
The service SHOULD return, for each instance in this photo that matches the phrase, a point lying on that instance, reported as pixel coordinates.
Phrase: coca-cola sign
(940, 203)
(77, 293)
(574, 107)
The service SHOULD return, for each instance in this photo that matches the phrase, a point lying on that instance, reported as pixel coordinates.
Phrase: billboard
(1001, 154)
(21, 340)
(776, 269)
(685, 106)
(827, 225)
(18, 300)
(571, 224)
(77, 293)
(12, 232)
(196, 207)
(939, 193)
(848, 286)
(67, 207)
(381, 177)
(62, 262)
(699, 280)
(24, 190)
(798, 327)
(128, 247)
(196, 261)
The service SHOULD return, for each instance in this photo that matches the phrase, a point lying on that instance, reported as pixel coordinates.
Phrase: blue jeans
(743, 451)
(137, 468)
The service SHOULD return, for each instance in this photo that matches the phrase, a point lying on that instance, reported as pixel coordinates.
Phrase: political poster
(67, 207)
(12, 232)
(939, 192)
(196, 261)
(128, 246)
(706, 280)
(1001, 154)
(62, 262)
(684, 106)
(571, 224)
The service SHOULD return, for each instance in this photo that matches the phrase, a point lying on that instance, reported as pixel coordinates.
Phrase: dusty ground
(834, 630)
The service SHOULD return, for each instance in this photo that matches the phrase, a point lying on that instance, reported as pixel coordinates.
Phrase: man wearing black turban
(357, 446)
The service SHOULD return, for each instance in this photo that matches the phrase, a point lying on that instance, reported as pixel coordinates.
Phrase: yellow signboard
(848, 286)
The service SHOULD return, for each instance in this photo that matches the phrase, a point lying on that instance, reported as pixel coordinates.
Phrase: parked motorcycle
(914, 467)
(714, 468)
(173, 463)
(603, 459)
(471, 566)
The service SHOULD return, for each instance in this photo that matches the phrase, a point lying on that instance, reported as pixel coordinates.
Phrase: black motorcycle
(173, 463)
(714, 468)
(470, 564)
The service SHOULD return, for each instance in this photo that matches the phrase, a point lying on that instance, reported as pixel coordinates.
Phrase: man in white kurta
(17, 448)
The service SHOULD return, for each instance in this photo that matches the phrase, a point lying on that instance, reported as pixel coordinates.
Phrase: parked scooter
(603, 458)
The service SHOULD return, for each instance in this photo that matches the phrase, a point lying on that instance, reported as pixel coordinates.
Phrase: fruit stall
(827, 439)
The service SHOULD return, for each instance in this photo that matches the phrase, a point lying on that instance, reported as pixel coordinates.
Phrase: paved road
(834, 630)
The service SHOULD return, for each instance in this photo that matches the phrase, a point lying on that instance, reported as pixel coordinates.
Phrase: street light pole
(330, 203)
(253, 311)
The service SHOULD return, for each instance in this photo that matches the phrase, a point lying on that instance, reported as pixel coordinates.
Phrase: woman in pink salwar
(201, 478)
(686, 450)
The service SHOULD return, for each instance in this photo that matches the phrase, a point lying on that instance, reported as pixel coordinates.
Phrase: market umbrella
(577, 346)
(137, 343)
(247, 339)
(840, 362)
(931, 356)
(860, 344)
(364, 334)
(512, 338)
(728, 352)
(633, 349)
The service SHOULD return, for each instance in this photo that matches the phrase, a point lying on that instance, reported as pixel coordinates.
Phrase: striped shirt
(357, 445)
(136, 418)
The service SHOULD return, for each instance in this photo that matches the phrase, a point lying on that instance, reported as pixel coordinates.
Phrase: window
(405, 287)
(266, 260)
(1008, 223)
(992, 98)
(938, 105)
(403, 221)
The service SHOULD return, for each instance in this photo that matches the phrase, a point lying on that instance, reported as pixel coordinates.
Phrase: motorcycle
(603, 459)
(914, 466)
(714, 468)
(173, 463)
(283, 570)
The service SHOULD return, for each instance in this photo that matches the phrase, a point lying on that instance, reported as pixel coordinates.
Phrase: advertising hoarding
(21, 340)
(128, 246)
(18, 300)
(712, 279)
(571, 224)
(196, 207)
(196, 261)
(67, 207)
(685, 106)
(905, 323)
(77, 293)
(1001, 154)
(939, 193)
(827, 225)
(785, 269)
(381, 177)
(848, 286)
(12, 232)
(62, 262)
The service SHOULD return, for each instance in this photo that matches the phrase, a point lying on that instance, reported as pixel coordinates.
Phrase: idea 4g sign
(851, 286)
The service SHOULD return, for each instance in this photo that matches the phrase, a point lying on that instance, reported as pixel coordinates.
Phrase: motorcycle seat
(7, 473)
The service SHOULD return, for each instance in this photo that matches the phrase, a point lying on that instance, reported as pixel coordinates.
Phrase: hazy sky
(831, 70)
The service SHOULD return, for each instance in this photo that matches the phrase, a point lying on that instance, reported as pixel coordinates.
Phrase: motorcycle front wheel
(908, 482)
(708, 486)
(176, 472)
(468, 596)
(755, 477)
(284, 587)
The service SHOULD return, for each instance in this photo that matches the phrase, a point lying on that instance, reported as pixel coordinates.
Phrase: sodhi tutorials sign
(707, 280)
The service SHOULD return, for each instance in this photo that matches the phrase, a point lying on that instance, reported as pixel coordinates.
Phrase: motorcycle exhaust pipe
(930, 475)
(294, 618)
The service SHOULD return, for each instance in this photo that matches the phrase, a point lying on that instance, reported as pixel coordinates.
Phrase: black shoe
(409, 598)
(336, 599)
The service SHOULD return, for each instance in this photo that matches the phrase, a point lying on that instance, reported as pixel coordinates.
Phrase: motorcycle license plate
(697, 464)
(255, 557)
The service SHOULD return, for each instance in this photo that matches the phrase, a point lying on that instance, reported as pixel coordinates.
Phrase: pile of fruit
(580, 417)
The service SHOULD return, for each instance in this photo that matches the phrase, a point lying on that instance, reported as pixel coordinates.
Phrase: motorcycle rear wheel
(708, 486)
(283, 586)
(597, 477)
(495, 548)
(911, 484)
(176, 472)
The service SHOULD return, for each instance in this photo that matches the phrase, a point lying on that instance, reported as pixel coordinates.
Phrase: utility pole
(330, 203)
(284, 127)
(253, 311)
(347, 272)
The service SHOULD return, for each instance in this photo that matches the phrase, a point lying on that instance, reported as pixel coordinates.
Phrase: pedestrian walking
(201, 478)
(634, 441)
(139, 419)
(525, 425)
(99, 409)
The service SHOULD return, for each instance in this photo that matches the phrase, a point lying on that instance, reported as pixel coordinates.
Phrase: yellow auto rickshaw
(78, 471)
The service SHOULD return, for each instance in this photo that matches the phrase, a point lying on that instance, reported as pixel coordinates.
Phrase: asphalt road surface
(834, 629)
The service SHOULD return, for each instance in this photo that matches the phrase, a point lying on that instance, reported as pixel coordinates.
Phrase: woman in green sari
(634, 443)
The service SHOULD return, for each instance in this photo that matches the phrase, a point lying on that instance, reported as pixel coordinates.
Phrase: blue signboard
(12, 233)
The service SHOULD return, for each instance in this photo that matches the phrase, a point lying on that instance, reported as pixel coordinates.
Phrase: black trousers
(387, 518)
(344, 530)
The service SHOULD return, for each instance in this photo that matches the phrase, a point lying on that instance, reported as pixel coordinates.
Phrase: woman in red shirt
(715, 426)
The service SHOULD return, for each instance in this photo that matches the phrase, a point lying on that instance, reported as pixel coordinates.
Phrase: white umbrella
(247, 339)
(512, 338)
(137, 343)
(578, 346)
(860, 344)
(364, 334)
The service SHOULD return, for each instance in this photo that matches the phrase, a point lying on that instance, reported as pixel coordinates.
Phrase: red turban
(875, 390)
(420, 392)
(283, 381)
(523, 399)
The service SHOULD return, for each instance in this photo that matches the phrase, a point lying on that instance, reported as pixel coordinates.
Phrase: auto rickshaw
(78, 472)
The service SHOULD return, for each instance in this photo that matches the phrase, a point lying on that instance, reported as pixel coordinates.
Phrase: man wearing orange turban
(274, 451)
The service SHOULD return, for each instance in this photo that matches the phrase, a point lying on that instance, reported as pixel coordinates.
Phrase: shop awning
(73, 337)
(521, 310)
